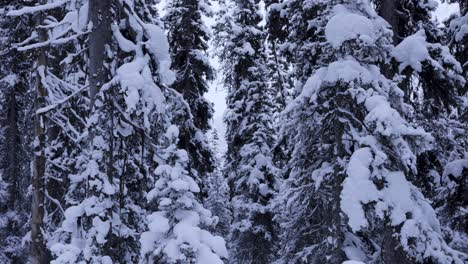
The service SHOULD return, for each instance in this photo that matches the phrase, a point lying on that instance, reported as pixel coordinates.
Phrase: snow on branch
(60, 102)
(57, 41)
(38, 8)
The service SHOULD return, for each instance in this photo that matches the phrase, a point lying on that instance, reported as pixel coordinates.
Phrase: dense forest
(346, 132)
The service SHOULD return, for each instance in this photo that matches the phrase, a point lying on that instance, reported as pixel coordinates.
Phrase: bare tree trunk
(13, 169)
(100, 36)
(39, 252)
(388, 9)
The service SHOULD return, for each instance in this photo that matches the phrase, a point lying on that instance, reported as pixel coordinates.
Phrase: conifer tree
(188, 40)
(106, 197)
(451, 203)
(280, 78)
(59, 111)
(354, 152)
(15, 127)
(251, 174)
(130, 106)
(218, 191)
(453, 181)
(177, 231)
(458, 36)
(434, 82)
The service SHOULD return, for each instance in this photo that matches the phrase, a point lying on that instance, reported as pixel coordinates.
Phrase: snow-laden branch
(58, 41)
(38, 8)
(64, 100)
(55, 201)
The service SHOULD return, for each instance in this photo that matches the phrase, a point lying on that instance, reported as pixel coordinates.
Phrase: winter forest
(344, 137)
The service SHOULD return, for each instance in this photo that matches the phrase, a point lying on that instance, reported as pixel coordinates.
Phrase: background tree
(188, 40)
(218, 201)
(15, 131)
(176, 227)
(59, 111)
(251, 174)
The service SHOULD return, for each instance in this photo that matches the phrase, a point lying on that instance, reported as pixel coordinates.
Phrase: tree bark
(13, 169)
(39, 252)
(100, 16)
(388, 9)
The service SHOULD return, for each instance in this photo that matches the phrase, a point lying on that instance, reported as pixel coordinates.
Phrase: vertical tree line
(346, 131)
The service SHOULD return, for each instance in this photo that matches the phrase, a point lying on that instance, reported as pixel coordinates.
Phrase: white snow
(422, 243)
(445, 10)
(319, 174)
(124, 44)
(345, 70)
(455, 169)
(137, 81)
(402, 202)
(10, 79)
(353, 262)
(399, 196)
(402, 197)
(387, 119)
(460, 25)
(37, 8)
(158, 223)
(172, 132)
(412, 51)
(159, 47)
(72, 213)
(101, 228)
(247, 49)
(358, 189)
(345, 25)
(429, 4)
(66, 254)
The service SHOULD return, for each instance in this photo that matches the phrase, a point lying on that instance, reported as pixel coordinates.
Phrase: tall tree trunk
(13, 166)
(100, 16)
(39, 253)
(388, 9)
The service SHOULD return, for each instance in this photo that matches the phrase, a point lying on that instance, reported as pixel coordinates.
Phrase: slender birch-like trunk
(38, 251)
(100, 16)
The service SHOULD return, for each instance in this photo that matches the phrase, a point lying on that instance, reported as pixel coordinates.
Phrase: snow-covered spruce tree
(281, 80)
(300, 41)
(128, 63)
(59, 110)
(38, 235)
(218, 191)
(288, 26)
(251, 174)
(458, 34)
(15, 133)
(434, 82)
(432, 77)
(188, 41)
(452, 203)
(453, 182)
(177, 231)
(458, 42)
(348, 194)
